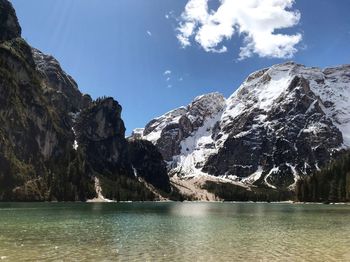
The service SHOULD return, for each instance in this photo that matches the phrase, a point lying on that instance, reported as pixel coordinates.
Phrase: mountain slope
(58, 144)
(282, 123)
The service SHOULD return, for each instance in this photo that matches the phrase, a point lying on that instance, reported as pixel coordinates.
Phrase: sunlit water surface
(174, 232)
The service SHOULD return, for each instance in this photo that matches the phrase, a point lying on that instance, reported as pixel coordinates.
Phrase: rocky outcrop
(283, 123)
(100, 134)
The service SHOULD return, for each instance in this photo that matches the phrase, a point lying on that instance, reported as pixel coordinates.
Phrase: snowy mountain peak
(194, 114)
(170, 129)
(263, 87)
(283, 122)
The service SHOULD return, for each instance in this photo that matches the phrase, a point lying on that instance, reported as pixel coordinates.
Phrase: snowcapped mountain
(283, 122)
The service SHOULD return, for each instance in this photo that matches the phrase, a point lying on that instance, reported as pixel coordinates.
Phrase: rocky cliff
(55, 142)
(282, 123)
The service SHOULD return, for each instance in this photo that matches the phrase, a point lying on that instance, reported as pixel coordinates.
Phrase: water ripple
(174, 232)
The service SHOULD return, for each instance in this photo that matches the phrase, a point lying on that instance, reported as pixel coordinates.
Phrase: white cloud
(167, 72)
(169, 15)
(149, 33)
(167, 76)
(256, 20)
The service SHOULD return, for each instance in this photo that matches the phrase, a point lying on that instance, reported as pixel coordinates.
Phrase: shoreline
(94, 201)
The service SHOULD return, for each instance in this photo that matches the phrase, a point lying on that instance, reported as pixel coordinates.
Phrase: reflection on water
(174, 232)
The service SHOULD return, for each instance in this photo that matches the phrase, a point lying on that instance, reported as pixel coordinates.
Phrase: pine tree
(331, 184)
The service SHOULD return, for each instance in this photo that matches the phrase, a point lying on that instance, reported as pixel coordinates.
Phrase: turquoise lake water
(174, 232)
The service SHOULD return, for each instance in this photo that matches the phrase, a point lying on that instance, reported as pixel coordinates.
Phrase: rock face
(147, 163)
(283, 123)
(60, 88)
(33, 136)
(101, 134)
(9, 26)
(55, 142)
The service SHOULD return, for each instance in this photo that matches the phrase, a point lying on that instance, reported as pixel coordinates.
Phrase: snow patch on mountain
(272, 171)
(295, 174)
(196, 148)
(253, 177)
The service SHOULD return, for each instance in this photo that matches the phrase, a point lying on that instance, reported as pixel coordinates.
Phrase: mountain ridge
(314, 102)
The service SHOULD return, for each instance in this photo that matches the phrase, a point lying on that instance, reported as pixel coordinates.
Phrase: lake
(174, 232)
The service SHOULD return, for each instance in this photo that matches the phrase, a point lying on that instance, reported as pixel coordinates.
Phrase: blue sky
(122, 48)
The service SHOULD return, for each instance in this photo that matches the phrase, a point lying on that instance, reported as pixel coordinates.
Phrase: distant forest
(331, 184)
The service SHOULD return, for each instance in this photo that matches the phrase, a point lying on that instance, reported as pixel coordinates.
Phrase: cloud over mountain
(255, 20)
